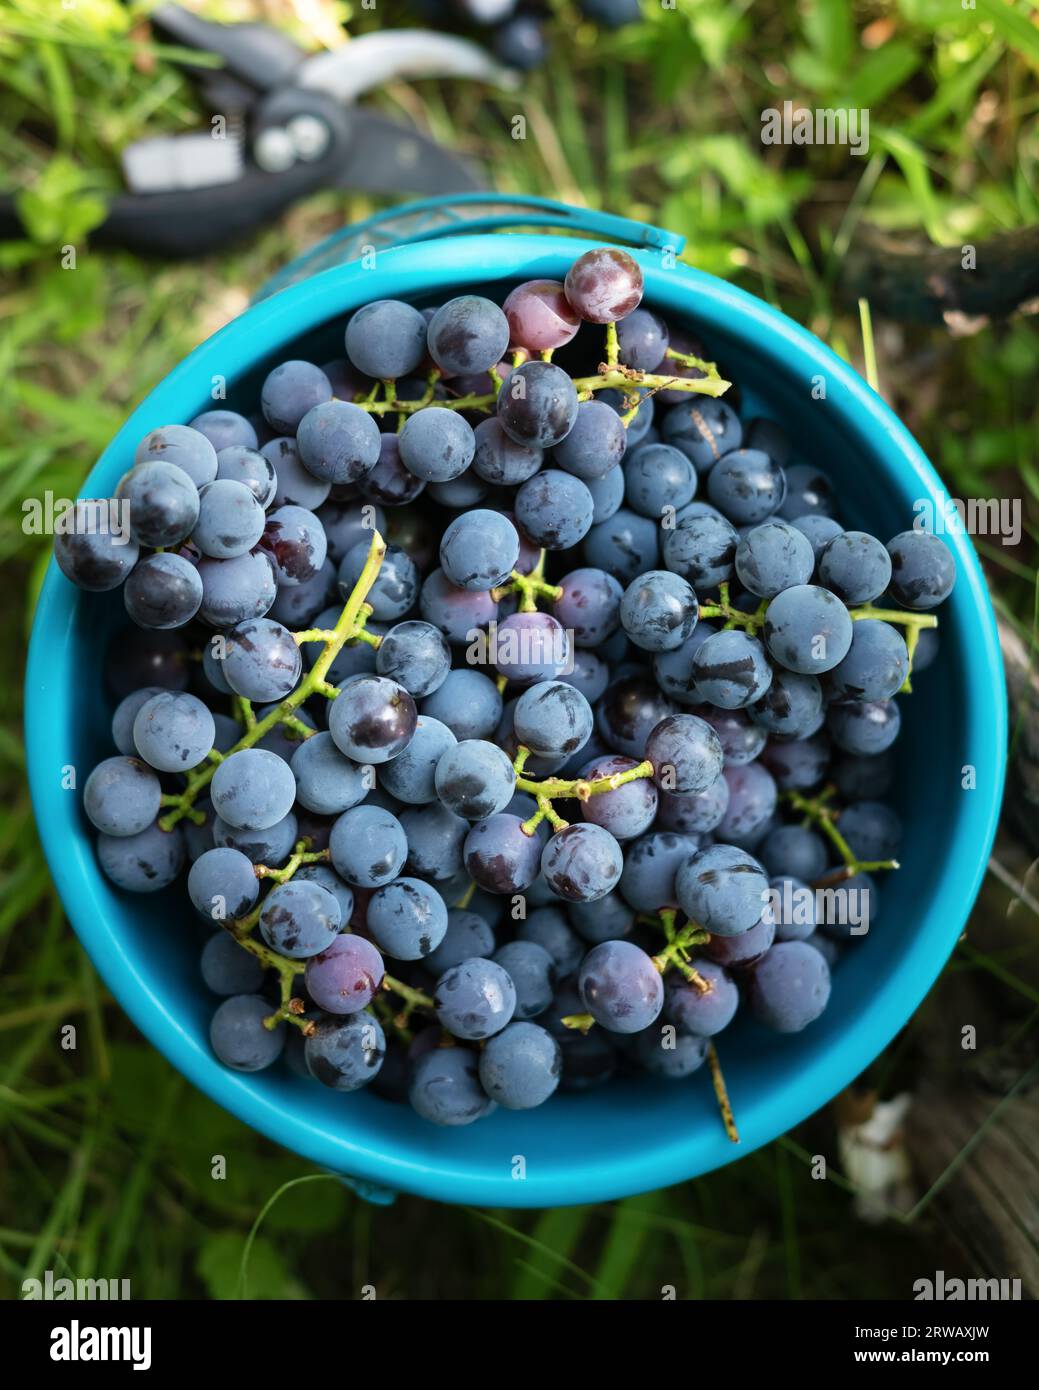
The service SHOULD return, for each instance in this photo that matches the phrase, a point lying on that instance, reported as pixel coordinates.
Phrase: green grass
(107, 1154)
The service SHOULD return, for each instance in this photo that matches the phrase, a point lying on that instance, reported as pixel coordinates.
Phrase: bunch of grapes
(587, 756)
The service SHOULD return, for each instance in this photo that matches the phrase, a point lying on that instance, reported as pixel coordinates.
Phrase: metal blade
(375, 59)
(384, 157)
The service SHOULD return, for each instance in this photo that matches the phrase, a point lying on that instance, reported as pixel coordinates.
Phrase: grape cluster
(588, 752)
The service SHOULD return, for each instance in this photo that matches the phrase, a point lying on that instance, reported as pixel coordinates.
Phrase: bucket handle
(464, 213)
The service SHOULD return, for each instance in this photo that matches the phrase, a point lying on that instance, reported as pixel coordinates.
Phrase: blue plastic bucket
(630, 1136)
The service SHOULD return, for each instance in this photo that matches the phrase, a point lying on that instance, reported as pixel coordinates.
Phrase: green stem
(413, 998)
(530, 587)
(549, 789)
(818, 810)
(300, 855)
(734, 617)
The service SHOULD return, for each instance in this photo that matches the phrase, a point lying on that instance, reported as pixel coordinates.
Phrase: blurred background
(653, 112)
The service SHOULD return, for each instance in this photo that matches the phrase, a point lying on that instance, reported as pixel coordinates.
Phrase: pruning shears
(285, 123)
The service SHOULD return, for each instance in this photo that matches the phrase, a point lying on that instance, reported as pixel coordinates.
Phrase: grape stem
(350, 626)
(550, 789)
(413, 998)
(301, 855)
(722, 1094)
(734, 617)
(530, 587)
(679, 942)
(754, 621)
(818, 810)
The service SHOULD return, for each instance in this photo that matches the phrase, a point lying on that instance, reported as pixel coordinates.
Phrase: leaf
(880, 73)
(827, 26)
(61, 207)
(1013, 26)
(219, 1261)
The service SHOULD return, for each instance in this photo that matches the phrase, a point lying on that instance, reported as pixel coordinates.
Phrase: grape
(673, 1057)
(289, 391)
(467, 936)
(554, 509)
(923, 570)
(173, 731)
(415, 655)
(327, 783)
(747, 486)
(876, 665)
(674, 669)
(163, 591)
(186, 448)
(280, 739)
(606, 919)
(296, 485)
(122, 796)
(790, 987)
(436, 444)
(390, 481)
(612, 13)
(338, 442)
(872, 829)
(547, 927)
(589, 605)
(142, 863)
(298, 919)
(686, 754)
(659, 611)
(807, 629)
(590, 675)
(346, 976)
(741, 952)
(520, 1067)
(855, 566)
(475, 999)
(222, 885)
(703, 1015)
(124, 716)
(345, 524)
(479, 550)
(271, 846)
(373, 719)
(468, 334)
(809, 493)
(407, 918)
(771, 439)
(368, 846)
(475, 779)
(926, 649)
(582, 862)
(330, 880)
(345, 1053)
(722, 888)
(772, 557)
(607, 495)
(228, 968)
(250, 468)
(411, 775)
(866, 727)
(792, 706)
(500, 460)
(297, 606)
(794, 850)
(396, 586)
(701, 549)
(620, 987)
(538, 406)
(627, 810)
(595, 444)
(233, 590)
(658, 477)
(552, 719)
(162, 502)
(704, 429)
(520, 43)
(697, 814)
(604, 285)
(435, 837)
(731, 670)
(857, 776)
(752, 804)
(818, 529)
(252, 789)
(445, 1087)
(533, 974)
(792, 904)
(466, 701)
(88, 552)
(386, 339)
(800, 764)
(458, 613)
(642, 339)
(261, 660)
(531, 647)
(741, 740)
(650, 866)
(239, 1036)
(625, 546)
(539, 316)
(629, 712)
(225, 429)
(295, 541)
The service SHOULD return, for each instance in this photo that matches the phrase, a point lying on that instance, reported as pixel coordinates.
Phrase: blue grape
(856, 776)
(225, 429)
(794, 850)
(533, 974)
(252, 469)
(818, 529)
(790, 986)
(345, 524)
(368, 846)
(642, 340)
(386, 339)
(855, 566)
(468, 334)
(771, 439)
(187, 448)
(582, 862)
(552, 719)
(262, 660)
(520, 43)
(876, 665)
(808, 493)
(501, 460)
(800, 763)
(621, 987)
(792, 904)
(531, 647)
(589, 605)
(926, 649)
(792, 706)
(329, 879)
(295, 541)
(458, 613)
(650, 869)
(554, 509)
(475, 779)
(142, 863)
(731, 670)
(435, 837)
(373, 719)
(595, 444)
(230, 520)
(122, 796)
(162, 501)
(866, 727)
(747, 486)
(696, 814)
(590, 675)
(520, 1067)
(298, 605)
(723, 888)
(589, 1059)
(538, 405)
(89, 552)
(299, 919)
(606, 919)
(923, 570)
(396, 587)
(548, 928)
(741, 740)
(658, 611)
(173, 731)
(629, 712)
(461, 493)
(702, 549)
(466, 701)
(693, 1011)
(704, 429)
(390, 481)
(674, 669)
(686, 754)
(673, 1057)
(479, 550)
(239, 1036)
(124, 716)
(345, 1053)
(625, 811)
(271, 846)
(658, 477)
(445, 1087)
(807, 629)
(222, 886)
(327, 783)
(475, 999)
(772, 557)
(411, 776)
(607, 495)
(436, 444)
(296, 485)
(289, 391)
(345, 977)
(253, 789)
(741, 952)
(228, 968)
(752, 804)
(872, 829)
(407, 918)
(338, 442)
(467, 936)
(625, 546)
